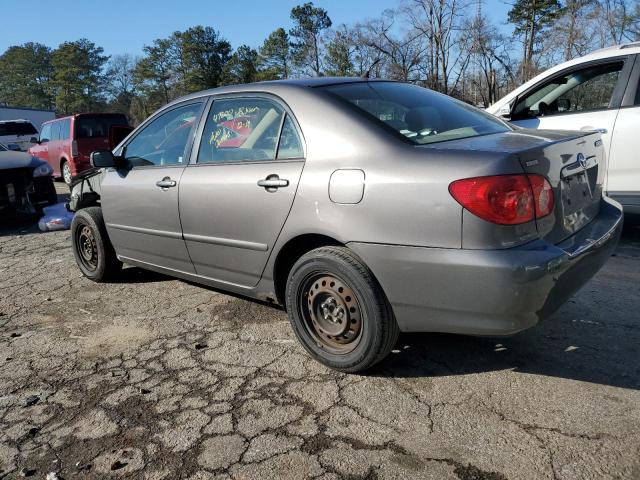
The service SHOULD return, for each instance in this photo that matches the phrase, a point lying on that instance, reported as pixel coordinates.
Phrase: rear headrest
(420, 118)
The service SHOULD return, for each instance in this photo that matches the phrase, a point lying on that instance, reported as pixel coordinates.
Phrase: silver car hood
(11, 159)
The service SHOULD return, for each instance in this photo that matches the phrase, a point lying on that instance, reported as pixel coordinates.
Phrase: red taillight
(542, 194)
(74, 148)
(505, 199)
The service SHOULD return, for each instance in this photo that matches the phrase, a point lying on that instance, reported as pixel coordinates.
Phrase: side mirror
(102, 159)
(505, 112)
(34, 140)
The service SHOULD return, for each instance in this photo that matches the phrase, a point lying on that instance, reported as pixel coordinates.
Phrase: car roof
(269, 85)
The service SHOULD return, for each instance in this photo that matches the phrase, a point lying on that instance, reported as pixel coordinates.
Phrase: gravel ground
(155, 378)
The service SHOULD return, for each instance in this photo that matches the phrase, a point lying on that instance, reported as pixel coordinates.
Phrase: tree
(77, 79)
(439, 23)
(243, 66)
(402, 55)
(530, 18)
(490, 65)
(120, 82)
(202, 55)
(25, 74)
(309, 22)
(153, 77)
(275, 56)
(339, 52)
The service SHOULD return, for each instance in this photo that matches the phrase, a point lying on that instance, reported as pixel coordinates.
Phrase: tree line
(452, 46)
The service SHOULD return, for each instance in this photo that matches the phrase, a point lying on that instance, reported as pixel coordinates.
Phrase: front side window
(419, 115)
(578, 91)
(164, 141)
(242, 129)
(45, 134)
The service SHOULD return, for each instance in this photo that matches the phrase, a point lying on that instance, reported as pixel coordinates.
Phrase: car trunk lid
(574, 166)
(572, 162)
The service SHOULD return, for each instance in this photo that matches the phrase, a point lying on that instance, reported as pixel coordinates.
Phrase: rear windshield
(17, 128)
(419, 115)
(98, 126)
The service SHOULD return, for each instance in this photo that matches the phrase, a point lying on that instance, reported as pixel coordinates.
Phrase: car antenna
(367, 74)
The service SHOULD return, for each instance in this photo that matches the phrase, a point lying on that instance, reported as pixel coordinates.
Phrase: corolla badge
(581, 160)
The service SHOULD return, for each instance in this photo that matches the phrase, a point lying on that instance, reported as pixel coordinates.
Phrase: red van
(66, 143)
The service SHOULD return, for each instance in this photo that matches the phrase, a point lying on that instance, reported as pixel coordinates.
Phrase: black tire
(92, 249)
(369, 331)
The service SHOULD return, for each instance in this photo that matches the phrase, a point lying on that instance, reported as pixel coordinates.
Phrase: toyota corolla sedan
(365, 208)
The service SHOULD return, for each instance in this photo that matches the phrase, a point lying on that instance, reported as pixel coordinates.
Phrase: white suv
(599, 91)
(19, 133)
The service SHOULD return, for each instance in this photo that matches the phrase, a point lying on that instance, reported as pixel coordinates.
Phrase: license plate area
(580, 200)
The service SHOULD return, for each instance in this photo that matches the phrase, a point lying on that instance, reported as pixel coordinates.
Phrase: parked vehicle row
(365, 208)
(600, 91)
(66, 143)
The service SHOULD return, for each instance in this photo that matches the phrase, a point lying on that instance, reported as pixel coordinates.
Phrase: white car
(20, 133)
(599, 91)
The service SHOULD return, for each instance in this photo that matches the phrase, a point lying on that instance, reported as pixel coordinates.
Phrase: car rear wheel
(92, 249)
(338, 310)
(66, 172)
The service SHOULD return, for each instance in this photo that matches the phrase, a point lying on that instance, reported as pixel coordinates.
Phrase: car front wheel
(338, 310)
(92, 249)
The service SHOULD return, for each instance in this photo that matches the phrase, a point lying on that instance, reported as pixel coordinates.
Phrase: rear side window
(65, 129)
(55, 131)
(97, 126)
(290, 145)
(419, 115)
(17, 128)
(45, 135)
(242, 129)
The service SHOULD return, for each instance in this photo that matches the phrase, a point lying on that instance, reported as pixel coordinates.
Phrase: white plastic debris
(56, 217)
(52, 476)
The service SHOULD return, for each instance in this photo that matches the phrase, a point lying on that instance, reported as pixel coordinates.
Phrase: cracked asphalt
(155, 378)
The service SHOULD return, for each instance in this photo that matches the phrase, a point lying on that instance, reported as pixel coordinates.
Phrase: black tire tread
(390, 330)
(112, 265)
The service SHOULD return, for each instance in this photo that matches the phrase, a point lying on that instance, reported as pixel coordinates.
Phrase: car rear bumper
(490, 292)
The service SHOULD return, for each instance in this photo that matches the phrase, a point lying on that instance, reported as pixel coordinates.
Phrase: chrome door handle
(273, 182)
(165, 183)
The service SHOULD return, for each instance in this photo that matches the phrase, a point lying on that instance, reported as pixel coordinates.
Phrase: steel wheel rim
(87, 247)
(331, 313)
(66, 172)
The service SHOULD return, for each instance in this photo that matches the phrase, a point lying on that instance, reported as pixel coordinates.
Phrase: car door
(623, 180)
(585, 97)
(140, 200)
(239, 188)
(41, 150)
(53, 147)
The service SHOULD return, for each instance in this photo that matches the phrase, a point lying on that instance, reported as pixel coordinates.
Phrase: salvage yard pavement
(156, 378)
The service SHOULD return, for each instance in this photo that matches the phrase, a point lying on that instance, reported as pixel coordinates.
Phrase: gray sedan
(365, 208)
